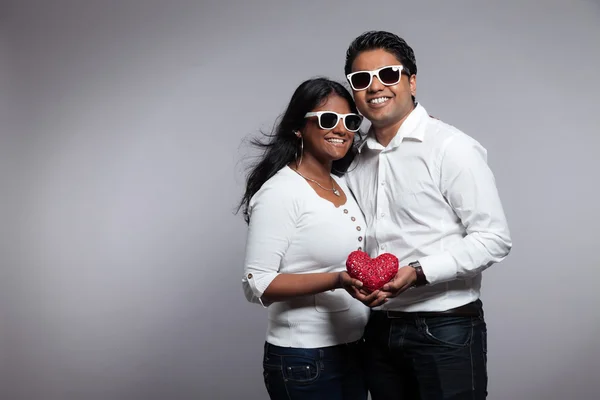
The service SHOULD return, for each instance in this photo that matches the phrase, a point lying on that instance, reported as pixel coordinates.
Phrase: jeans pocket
(448, 331)
(300, 370)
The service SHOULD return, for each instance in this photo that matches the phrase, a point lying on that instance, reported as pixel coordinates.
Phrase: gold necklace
(333, 189)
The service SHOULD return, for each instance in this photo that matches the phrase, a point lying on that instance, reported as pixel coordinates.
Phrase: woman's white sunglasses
(329, 120)
(388, 75)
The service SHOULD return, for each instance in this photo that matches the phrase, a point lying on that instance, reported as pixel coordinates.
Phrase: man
(429, 198)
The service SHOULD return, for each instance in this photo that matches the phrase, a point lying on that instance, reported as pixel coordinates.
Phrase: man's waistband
(473, 309)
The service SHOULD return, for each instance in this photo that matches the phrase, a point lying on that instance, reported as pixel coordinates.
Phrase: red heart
(372, 272)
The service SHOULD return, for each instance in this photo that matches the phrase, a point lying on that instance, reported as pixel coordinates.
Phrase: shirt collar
(412, 128)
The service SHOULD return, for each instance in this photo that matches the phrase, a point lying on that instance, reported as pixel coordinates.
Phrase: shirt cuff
(439, 268)
(255, 286)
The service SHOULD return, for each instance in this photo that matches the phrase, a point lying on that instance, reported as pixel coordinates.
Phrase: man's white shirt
(429, 196)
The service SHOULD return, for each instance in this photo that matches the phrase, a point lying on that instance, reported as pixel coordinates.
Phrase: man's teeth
(379, 100)
(335, 140)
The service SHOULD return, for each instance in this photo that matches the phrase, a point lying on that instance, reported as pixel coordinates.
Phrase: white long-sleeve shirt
(293, 231)
(429, 196)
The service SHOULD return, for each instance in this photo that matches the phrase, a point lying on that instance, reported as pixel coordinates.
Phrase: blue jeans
(415, 356)
(331, 373)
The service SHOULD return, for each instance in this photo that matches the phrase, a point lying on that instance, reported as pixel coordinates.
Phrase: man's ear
(412, 81)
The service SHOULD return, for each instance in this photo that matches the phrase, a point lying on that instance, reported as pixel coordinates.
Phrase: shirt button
(382, 215)
(383, 183)
(249, 276)
(360, 249)
(345, 211)
(360, 238)
(382, 247)
(358, 228)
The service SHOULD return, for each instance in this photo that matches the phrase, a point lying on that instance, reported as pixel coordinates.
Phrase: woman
(303, 223)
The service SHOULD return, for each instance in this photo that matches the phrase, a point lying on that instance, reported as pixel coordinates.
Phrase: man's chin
(380, 120)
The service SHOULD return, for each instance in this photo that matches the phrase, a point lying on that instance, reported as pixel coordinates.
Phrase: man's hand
(404, 279)
(355, 289)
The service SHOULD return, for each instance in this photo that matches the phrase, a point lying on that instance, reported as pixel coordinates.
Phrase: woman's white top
(295, 231)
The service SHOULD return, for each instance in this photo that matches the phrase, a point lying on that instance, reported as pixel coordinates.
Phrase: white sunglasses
(329, 120)
(388, 75)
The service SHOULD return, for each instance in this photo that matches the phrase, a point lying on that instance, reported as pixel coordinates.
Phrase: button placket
(358, 227)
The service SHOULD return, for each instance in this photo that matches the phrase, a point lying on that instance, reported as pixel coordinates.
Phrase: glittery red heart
(372, 272)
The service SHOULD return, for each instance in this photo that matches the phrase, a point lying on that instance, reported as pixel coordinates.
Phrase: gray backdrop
(122, 125)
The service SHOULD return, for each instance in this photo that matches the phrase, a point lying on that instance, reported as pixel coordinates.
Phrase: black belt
(474, 309)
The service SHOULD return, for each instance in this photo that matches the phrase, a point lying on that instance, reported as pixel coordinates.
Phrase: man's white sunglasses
(388, 75)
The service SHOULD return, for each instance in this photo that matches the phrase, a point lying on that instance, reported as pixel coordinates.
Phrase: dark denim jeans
(332, 373)
(416, 357)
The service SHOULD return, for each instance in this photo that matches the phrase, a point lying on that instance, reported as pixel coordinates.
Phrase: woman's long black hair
(282, 144)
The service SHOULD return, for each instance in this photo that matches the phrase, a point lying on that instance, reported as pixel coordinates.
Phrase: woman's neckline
(293, 171)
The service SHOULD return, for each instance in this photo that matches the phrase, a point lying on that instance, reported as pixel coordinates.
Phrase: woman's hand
(355, 288)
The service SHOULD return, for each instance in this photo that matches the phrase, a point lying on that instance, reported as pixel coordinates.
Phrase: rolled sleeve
(469, 186)
(272, 224)
(255, 284)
